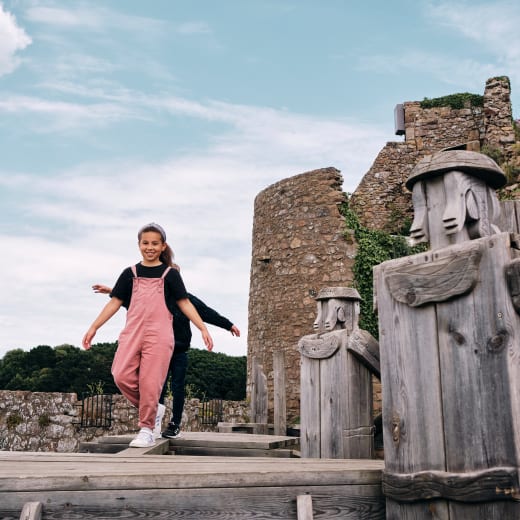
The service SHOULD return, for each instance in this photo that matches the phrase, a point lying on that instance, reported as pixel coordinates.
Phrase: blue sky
(114, 114)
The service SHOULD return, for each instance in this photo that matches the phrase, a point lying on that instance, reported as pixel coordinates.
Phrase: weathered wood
(461, 422)
(441, 275)
(254, 428)
(280, 401)
(304, 507)
(310, 409)
(233, 452)
(31, 511)
(259, 402)
(474, 486)
(336, 385)
(330, 502)
(477, 164)
(365, 348)
(84, 485)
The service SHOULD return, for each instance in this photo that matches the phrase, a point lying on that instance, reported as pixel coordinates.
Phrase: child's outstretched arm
(107, 312)
(190, 312)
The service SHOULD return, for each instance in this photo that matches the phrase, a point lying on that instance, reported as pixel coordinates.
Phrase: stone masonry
(381, 199)
(298, 232)
(40, 421)
(298, 248)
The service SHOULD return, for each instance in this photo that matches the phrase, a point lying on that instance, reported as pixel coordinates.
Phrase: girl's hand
(88, 337)
(235, 331)
(103, 289)
(207, 339)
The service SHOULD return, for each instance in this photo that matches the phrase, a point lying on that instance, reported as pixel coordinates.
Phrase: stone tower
(298, 248)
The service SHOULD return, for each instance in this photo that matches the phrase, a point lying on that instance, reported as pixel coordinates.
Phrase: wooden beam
(32, 511)
(304, 507)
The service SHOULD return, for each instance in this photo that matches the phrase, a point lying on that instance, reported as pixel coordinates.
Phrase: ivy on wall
(373, 247)
(455, 101)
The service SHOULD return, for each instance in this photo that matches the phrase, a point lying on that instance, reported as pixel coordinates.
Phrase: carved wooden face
(451, 208)
(335, 314)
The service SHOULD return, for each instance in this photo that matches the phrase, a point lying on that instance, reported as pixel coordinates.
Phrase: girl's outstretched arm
(190, 312)
(107, 312)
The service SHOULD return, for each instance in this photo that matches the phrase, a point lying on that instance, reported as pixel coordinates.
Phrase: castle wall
(298, 248)
(49, 421)
(381, 199)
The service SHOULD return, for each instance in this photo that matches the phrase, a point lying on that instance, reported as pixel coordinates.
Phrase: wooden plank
(310, 412)
(358, 436)
(332, 400)
(330, 503)
(259, 401)
(78, 473)
(507, 218)
(410, 378)
(232, 452)
(279, 401)
(31, 511)
(215, 439)
(304, 507)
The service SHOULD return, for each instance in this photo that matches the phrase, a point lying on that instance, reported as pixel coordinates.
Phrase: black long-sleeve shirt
(181, 324)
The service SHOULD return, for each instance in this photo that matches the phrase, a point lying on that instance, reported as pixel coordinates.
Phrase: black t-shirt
(173, 285)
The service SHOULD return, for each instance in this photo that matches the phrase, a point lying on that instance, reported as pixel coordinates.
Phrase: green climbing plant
(455, 101)
(373, 247)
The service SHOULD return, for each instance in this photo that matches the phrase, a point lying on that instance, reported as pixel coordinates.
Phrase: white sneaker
(144, 439)
(158, 421)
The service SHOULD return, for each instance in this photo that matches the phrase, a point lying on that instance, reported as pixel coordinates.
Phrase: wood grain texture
(459, 360)
(146, 486)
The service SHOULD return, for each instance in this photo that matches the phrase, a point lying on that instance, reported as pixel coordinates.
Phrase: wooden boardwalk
(137, 483)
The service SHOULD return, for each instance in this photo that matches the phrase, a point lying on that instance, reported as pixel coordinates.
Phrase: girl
(148, 290)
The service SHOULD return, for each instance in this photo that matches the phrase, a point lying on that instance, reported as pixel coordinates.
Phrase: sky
(114, 114)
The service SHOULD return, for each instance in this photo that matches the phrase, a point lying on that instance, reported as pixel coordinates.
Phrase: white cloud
(59, 116)
(12, 39)
(83, 221)
(493, 26)
(88, 17)
(451, 70)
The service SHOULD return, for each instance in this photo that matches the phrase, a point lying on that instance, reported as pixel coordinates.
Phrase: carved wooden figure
(449, 338)
(336, 386)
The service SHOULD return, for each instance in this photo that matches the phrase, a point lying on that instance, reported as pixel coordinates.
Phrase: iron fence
(96, 411)
(211, 411)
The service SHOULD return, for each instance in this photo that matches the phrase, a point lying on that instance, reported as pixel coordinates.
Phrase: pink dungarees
(145, 347)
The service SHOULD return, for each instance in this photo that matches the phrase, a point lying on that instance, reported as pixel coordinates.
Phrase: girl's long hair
(167, 255)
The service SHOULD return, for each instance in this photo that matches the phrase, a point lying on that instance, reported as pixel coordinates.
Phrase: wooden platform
(208, 443)
(136, 484)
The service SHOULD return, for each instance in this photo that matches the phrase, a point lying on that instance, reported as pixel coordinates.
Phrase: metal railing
(211, 411)
(96, 411)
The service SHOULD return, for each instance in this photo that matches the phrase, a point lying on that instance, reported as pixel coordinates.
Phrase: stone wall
(37, 421)
(298, 248)
(381, 199)
(298, 243)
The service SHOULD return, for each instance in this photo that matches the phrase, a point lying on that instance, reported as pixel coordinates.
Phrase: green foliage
(66, 368)
(455, 101)
(214, 375)
(44, 420)
(373, 247)
(13, 420)
(496, 153)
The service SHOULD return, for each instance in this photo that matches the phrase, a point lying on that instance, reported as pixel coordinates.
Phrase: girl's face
(151, 247)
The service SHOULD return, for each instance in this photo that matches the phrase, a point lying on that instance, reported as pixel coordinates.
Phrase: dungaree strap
(166, 272)
(134, 271)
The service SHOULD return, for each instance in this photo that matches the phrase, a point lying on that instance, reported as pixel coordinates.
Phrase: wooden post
(32, 511)
(280, 406)
(336, 384)
(259, 403)
(449, 334)
(304, 507)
